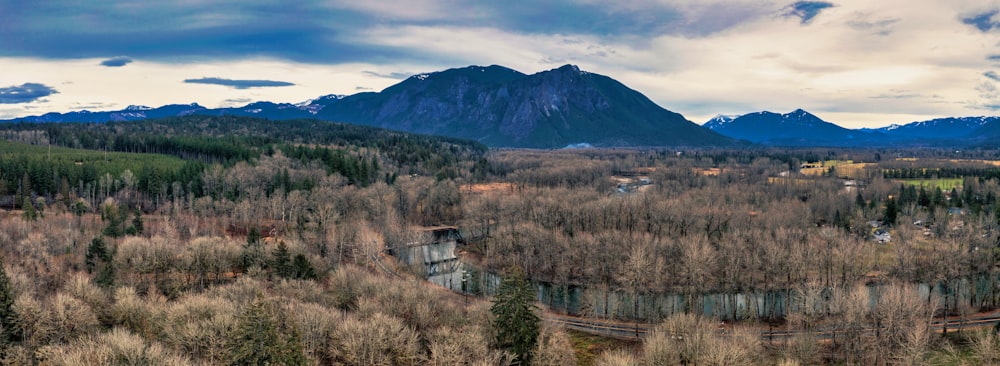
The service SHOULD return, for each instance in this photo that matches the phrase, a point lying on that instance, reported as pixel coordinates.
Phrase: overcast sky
(857, 63)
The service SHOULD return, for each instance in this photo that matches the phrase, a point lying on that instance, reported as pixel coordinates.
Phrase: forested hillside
(190, 240)
(361, 155)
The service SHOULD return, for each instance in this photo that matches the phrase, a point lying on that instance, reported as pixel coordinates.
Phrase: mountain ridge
(565, 106)
(801, 128)
(493, 104)
(796, 128)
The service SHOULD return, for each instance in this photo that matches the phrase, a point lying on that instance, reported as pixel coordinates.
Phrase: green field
(76, 165)
(946, 184)
(58, 154)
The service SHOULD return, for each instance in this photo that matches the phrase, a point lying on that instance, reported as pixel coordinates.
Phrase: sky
(857, 63)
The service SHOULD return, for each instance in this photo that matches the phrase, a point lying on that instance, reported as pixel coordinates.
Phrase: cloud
(116, 61)
(897, 96)
(622, 19)
(985, 22)
(880, 27)
(807, 10)
(391, 75)
(696, 57)
(333, 31)
(25, 93)
(180, 31)
(992, 75)
(93, 106)
(232, 102)
(239, 84)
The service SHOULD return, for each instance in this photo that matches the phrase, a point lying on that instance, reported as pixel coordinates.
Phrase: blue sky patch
(808, 10)
(985, 22)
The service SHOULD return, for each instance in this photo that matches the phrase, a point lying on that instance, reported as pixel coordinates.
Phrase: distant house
(882, 236)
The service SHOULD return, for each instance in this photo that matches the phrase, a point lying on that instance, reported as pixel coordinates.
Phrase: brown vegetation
(736, 236)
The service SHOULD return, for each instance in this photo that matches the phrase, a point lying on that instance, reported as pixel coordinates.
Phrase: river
(444, 268)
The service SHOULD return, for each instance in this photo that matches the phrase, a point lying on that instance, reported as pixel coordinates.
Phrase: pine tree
(516, 324)
(115, 218)
(302, 269)
(79, 208)
(96, 253)
(98, 260)
(10, 327)
(891, 212)
(29, 210)
(253, 251)
(137, 225)
(282, 260)
(923, 199)
(263, 337)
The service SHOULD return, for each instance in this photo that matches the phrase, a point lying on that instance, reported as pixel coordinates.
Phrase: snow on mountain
(720, 120)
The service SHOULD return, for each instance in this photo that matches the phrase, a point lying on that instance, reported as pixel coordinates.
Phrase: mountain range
(495, 105)
(562, 107)
(801, 128)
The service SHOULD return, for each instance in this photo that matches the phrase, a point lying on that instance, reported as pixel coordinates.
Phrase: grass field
(946, 184)
(790, 181)
(841, 168)
(103, 161)
(589, 347)
(814, 172)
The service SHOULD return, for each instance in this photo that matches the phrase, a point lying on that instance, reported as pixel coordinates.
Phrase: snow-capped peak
(720, 120)
(137, 108)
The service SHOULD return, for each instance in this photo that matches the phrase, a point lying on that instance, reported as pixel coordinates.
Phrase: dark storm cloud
(622, 18)
(116, 61)
(24, 93)
(170, 31)
(320, 32)
(807, 10)
(239, 84)
(985, 22)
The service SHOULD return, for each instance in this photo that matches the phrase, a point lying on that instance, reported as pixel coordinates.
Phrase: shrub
(200, 326)
(378, 340)
(263, 337)
(117, 347)
(463, 346)
(617, 357)
(553, 348)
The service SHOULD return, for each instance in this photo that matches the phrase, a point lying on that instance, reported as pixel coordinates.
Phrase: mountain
(493, 105)
(131, 113)
(502, 107)
(797, 128)
(940, 128)
(719, 120)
